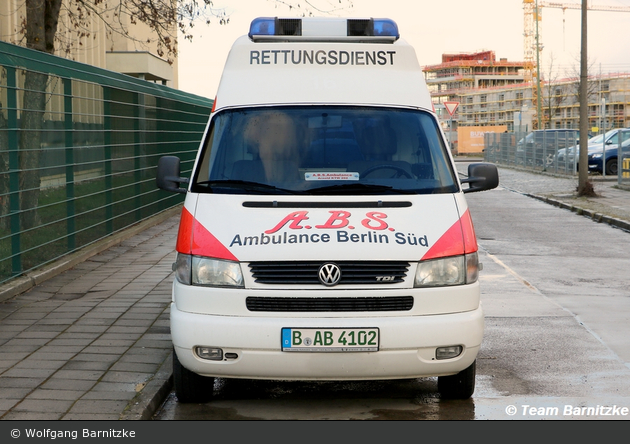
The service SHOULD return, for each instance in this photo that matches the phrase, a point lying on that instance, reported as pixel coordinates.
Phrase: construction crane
(533, 41)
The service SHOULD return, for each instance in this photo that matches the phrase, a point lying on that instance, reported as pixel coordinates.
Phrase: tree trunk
(42, 17)
(4, 172)
(34, 105)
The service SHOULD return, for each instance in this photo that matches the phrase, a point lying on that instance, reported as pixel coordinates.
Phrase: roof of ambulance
(312, 72)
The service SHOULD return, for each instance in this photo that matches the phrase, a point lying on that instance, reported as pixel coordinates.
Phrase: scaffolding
(460, 72)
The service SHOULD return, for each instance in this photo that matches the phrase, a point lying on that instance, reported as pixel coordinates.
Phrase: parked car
(540, 146)
(597, 158)
(594, 145)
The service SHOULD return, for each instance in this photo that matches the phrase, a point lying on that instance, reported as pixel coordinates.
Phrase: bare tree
(555, 95)
(40, 32)
(592, 86)
(4, 168)
(40, 28)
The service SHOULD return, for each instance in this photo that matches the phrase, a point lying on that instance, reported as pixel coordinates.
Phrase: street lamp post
(539, 98)
(604, 136)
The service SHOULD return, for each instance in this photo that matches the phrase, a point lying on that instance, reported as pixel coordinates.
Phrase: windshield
(324, 150)
(596, 139)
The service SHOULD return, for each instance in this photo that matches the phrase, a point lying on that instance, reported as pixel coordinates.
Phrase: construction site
(497, 95)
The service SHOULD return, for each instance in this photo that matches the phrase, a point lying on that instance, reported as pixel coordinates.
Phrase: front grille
(352, 272)
(392, 303)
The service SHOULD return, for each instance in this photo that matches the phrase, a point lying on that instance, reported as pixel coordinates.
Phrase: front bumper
(407, 346)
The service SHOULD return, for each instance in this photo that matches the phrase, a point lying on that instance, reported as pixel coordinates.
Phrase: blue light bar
(262, 26)
(386, 28)
(323, 29)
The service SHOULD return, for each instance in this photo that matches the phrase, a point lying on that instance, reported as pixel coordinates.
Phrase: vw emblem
(329, 274)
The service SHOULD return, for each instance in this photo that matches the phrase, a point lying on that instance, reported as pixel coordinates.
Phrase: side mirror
(481, 177)
(168, 172)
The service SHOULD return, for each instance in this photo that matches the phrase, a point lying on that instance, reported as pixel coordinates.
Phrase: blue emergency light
(323, 29)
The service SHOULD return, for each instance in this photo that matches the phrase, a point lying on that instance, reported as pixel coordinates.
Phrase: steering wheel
(401, 171)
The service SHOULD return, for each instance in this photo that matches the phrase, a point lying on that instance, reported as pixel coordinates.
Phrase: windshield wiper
(246, 185)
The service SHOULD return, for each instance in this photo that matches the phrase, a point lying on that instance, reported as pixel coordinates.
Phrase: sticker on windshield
(331, 176)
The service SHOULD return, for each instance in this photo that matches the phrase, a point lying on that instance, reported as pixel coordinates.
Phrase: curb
(147, 402)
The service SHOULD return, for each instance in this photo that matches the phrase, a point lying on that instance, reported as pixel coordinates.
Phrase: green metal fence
(80, 164)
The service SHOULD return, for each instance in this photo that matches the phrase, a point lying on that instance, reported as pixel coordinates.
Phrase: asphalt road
(555, 294)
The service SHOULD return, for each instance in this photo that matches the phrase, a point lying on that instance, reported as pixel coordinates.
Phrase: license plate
(330, 339)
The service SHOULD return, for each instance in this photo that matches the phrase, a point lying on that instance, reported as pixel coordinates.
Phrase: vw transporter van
(324, 233)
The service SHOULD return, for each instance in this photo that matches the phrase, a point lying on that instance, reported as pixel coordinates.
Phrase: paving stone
(98, 406)
(56, 383)
(31, 363)
(6, 382)
(91, 357)
(18, 415)
(49, 394)
(87, 365)
(88, 375)
(117, 395)
(44, 405)
(74, 416)
(131, 377)
(8, 403)
(29, 373)
(135, 367)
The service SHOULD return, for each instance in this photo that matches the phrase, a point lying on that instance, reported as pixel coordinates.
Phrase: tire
(189, 386)
(459, 386)
(611, 167)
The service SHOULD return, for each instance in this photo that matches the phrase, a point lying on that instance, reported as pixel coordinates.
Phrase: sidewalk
(93, 342)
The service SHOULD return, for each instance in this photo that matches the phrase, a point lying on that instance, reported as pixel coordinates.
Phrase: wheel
(189, 386)
(401, 171)
(611, 167)
(459, 386)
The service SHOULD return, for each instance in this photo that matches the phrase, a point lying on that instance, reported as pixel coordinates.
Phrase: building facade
(495, 94)
(462, 72)
(98, 44)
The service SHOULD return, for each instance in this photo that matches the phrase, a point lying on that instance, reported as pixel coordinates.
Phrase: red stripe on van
(194, 238)
(184, 235)
(470, 238)
(457, 240)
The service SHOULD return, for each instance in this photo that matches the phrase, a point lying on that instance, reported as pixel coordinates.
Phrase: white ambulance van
(324, 234)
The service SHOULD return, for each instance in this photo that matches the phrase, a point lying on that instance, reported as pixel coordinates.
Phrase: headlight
(456, 270)
(207, 271)
(217, 273)
(596, 156)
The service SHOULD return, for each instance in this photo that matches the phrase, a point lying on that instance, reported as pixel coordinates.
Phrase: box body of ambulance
(324, 234)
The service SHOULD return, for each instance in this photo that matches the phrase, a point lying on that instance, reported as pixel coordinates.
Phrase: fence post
(69, 142)
(622, 167)
(14, 171)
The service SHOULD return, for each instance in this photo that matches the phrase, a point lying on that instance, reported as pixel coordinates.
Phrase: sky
(433, 28)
